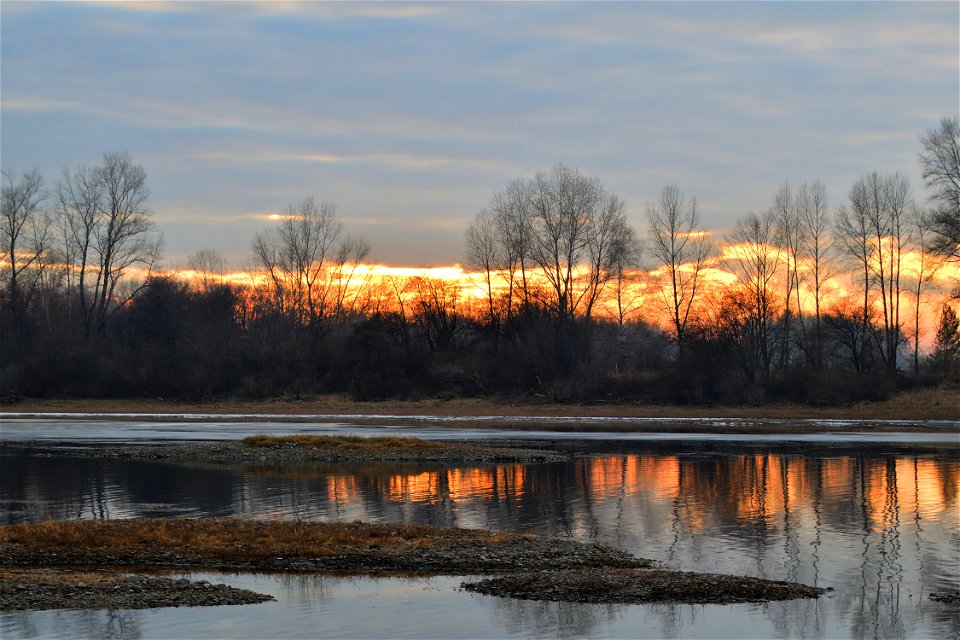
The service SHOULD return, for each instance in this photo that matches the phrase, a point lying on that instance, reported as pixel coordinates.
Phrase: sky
(408, 116)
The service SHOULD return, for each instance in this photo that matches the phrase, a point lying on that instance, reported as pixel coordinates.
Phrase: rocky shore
(50, 589)
(633, 586)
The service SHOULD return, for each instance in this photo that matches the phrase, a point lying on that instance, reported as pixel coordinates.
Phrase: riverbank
(302, 449)
(923, 404)
(37, 558)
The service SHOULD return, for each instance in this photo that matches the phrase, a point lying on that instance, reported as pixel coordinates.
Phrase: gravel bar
(631, 586)
(47, 589)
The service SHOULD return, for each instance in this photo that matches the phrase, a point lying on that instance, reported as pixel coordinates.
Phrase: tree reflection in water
(879, 527)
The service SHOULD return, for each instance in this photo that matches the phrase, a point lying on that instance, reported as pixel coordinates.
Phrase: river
(876, 520)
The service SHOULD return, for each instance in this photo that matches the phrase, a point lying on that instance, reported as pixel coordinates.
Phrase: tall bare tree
(485, 249)
(926, 263)
(940, 161)
(295, 257)
(349, 295)
(625, 269)
(208, 267)
(564, 203)
(756, 259)
(683, 250)
(24, 234)
(609, 246)
(110, 233)
(873, 231)
(789, 237)
(514, 220)
(814, 218)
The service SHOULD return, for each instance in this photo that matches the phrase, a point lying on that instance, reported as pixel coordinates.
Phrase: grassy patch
(224, 538)
(284, 545)
(346, 444)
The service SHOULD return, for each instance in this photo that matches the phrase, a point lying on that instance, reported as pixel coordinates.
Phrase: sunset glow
(642, 292)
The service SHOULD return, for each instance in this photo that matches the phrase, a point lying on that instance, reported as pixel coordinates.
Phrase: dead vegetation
(283, 545)
(346, 444)
(941, 403)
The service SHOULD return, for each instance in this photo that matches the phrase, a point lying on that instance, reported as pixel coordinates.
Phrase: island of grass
(304, 449)
(545, 569)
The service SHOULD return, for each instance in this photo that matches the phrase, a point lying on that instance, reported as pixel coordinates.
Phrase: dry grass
(923, 404)
(75, 578)
(228, 539)
(346, 444)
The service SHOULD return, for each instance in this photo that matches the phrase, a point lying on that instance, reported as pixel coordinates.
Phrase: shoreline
(922, 404)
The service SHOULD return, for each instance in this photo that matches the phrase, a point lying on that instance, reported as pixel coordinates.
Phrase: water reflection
(882, 529)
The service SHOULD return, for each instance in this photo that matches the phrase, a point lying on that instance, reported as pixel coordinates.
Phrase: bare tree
(926, 263)
(625, 270)
(873, 231)
(940, 160)
(435, 307)
(609, 240)
(295, 257)
(682, 249)
(208, 267)
(814, 218)
(561, 226)
(109, 232)
(485, 250)
(350, 256)
(514, 220)
(789, 238)
(564, 203)
(757, 256)
(24, 234)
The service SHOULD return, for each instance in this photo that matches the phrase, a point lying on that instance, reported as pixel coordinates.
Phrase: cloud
(402, 161)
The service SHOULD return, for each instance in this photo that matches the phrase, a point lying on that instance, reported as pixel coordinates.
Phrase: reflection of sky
(409, 115)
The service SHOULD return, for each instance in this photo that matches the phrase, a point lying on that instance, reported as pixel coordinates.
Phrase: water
(53, 427)
(878, 523)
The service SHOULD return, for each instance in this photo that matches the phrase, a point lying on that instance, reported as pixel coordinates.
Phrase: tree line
(567, 301)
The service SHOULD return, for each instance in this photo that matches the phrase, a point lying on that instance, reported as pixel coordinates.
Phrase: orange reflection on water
(631, 474)
(763, 490)
(420, 487)
(340, 488)
(501, 483)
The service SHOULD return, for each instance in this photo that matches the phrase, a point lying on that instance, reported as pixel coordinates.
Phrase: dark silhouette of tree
(945, 357)
(24, 237)
(940, 161)
(109, 232)
(682, 249)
